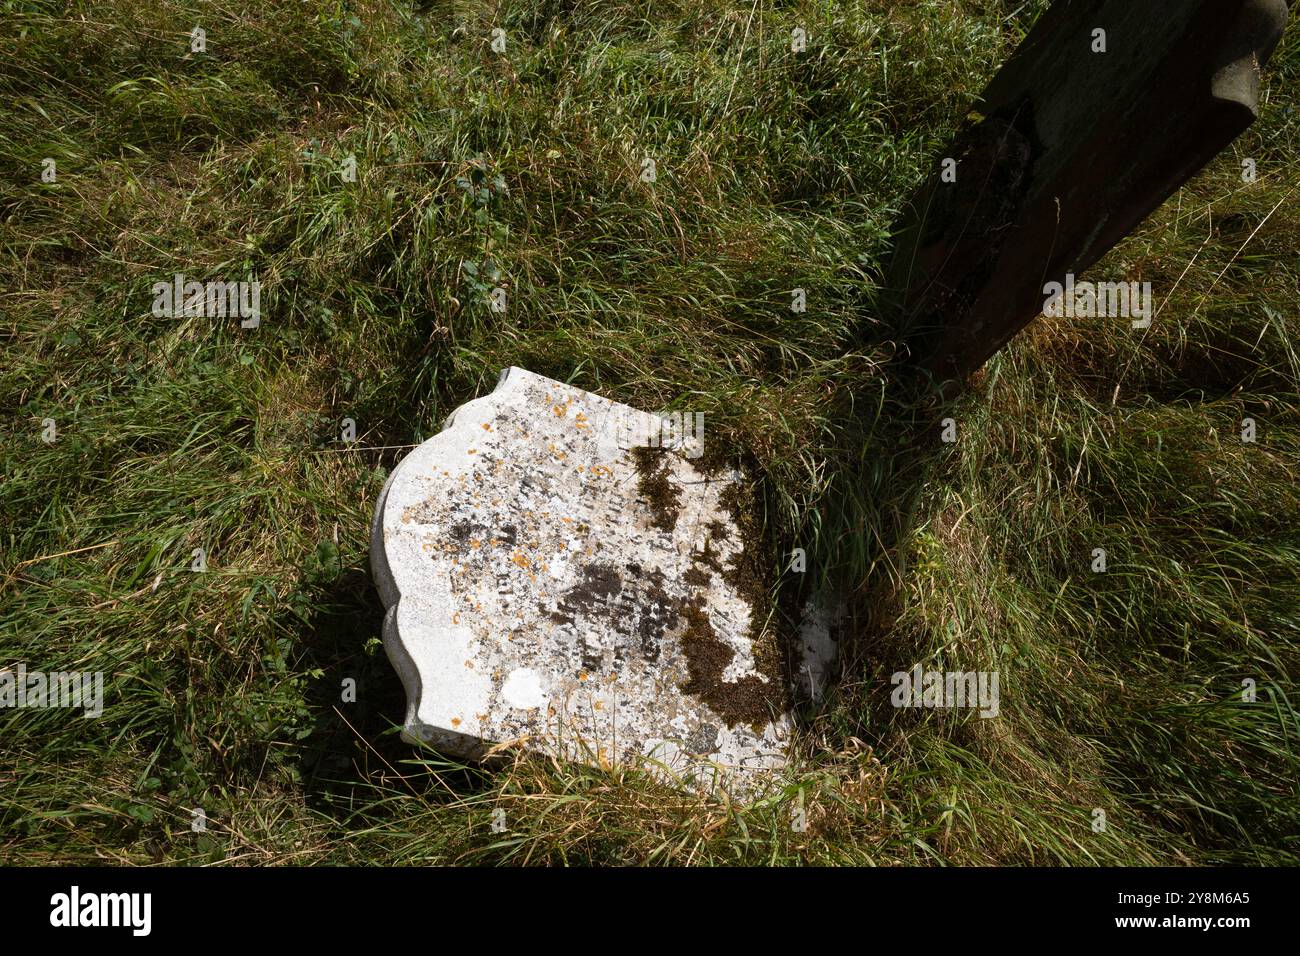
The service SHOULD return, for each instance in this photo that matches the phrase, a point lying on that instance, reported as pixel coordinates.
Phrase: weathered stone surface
(549, 580)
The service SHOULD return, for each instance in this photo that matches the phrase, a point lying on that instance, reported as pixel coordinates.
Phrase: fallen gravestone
(564, 572)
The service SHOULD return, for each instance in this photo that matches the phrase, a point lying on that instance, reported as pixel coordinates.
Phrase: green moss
(663, 497)
(750, 700)
(756, 698)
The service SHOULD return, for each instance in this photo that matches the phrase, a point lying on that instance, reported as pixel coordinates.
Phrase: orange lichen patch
(567, 520)
(560, 410)
(579, 468)
(601, 470)
(475, 543)
(455, 721)
(472, 451)
(580, 420)
(487, 426)
(599, 705)
(521, 559)
(455, 618)
(582, 675)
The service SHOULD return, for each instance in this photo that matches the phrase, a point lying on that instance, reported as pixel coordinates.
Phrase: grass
(1121, 691)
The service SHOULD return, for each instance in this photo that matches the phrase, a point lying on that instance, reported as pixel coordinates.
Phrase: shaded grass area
(1120, 691)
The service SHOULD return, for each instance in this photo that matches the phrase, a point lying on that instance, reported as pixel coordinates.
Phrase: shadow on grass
(355, 750)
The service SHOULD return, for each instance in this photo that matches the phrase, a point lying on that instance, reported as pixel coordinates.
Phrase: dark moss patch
(653, 485)
(657, 617)
(707, 558)
(748, 572)
(752, 574)
(640, 612)
(756, 698)
(749, 700)
(464, 532)
(460, 532)
(696, 577)
(599, 584)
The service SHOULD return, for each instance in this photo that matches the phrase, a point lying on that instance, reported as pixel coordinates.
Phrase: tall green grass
(1121, 691)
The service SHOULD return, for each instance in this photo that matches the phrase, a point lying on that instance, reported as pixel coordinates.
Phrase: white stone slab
(544, 587)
